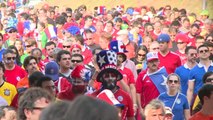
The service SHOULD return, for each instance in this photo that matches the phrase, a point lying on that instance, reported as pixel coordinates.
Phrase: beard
(109, 86)
(78, 89)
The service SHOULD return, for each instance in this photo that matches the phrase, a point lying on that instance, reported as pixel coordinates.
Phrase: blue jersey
(180, 105)
(196, 75)
(1, 54)
(183, 72)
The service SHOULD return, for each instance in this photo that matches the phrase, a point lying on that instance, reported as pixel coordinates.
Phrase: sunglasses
(28, 46)
(66, 46)
(88, 39)
(69, 16)
(142, 55)
(203, 51)
(76, 61)
(173, 81)
(11, 58)
(38, 108)
(180, 42)
(193, 54)
(209, 80)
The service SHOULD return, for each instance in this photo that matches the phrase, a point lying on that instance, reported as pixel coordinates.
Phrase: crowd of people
(135, 63)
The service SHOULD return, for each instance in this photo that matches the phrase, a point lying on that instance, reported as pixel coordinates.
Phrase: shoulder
(122, 93)
(9, 85)
(173, 54)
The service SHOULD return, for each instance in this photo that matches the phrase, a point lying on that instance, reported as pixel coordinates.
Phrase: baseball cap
(205, 12)
(52, 70)
(163, 38)
(75, 46)
(168, 111)
(152, 56)
(182, 37)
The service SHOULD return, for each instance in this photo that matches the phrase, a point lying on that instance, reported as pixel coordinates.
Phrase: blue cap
(52, 70)
(163, 38)
(130, 11)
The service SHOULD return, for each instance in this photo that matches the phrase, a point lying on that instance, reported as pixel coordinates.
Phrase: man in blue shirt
(196, 74)
(183, 71)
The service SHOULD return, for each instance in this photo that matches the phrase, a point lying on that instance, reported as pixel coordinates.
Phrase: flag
(51, 31)
(159, 79)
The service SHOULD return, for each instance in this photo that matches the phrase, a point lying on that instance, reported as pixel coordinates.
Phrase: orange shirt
(23, 83)
(201, 116)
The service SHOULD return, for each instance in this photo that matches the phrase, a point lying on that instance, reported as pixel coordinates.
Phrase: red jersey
(124, 99)
(15, 75)
(146, 88)
(192, 40)
(62, 84)
(182, 57)
(171, 61)
(200, 116)
(131, 47)
(67, 95)
(128, 76)
(87, 54)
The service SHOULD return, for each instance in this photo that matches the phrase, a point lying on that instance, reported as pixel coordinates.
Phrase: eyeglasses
(142, 55)
(28, 46)
(203, 51)
(66, 46)
(209, 80)
(180, 42)
(88, 39)
(69, 16)
(193, 54)
(77, 61)
(173, 81)
(11, 58)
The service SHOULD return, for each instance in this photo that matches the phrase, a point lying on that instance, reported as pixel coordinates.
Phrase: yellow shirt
(196, 102)
(8, 92)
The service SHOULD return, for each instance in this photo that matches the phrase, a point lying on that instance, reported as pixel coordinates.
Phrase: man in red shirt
(151, 82)
(206, 98)
(81, 77)
(13, 73)
(109, 76)
(49, 51)
(128, 77)
(167, 58)
(182, 41)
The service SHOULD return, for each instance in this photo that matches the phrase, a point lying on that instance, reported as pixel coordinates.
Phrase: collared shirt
(183, 72)
(196, 75)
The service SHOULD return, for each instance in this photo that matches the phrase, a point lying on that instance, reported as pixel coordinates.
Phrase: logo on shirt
(6, 92)
(18, 78)
(120, 98)
(178, 101)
